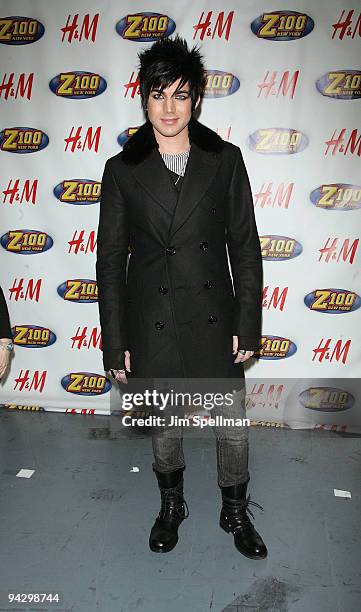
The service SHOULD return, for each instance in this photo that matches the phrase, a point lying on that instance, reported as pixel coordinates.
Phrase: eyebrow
(175, 93)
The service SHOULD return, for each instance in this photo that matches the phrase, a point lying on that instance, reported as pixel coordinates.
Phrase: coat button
(159, 325)
(212, 319)
(170, 250)
(208, 284)
(163, 290)
(203, 245)
(213, 210)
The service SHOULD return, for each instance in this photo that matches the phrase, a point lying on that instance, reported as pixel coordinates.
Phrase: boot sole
(225, 528)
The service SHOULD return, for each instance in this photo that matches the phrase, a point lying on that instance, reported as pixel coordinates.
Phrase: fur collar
(143, 141)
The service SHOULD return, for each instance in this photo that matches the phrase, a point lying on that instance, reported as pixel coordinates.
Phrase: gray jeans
(231, 444)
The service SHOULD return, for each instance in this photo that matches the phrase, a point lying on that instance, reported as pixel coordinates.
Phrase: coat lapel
(172, 209)
(154, 177)
(200, 171)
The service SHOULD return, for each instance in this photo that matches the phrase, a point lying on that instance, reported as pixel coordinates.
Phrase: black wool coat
(165, 291)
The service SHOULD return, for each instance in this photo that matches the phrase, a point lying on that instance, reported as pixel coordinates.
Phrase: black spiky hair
(167, 60)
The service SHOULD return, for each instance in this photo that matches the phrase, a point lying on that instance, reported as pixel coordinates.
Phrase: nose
(169, 105)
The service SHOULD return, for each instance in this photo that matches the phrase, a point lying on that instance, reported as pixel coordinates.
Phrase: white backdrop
(286, 88)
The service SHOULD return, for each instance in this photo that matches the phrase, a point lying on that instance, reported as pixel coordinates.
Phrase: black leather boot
(164, 533)
(234, 519)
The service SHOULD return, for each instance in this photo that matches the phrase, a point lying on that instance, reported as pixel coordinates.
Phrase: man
(176, 197)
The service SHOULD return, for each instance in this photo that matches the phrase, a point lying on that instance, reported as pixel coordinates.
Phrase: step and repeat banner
(283, 85)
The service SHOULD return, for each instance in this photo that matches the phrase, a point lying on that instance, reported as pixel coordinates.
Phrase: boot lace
(171, 493)
(243, 520)
(249, 502)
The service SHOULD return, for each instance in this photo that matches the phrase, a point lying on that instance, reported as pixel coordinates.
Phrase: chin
(169, 132)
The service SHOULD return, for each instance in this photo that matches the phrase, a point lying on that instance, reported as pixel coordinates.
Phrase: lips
(169, 121)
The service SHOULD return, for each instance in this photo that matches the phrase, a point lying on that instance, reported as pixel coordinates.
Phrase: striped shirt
(176, 162)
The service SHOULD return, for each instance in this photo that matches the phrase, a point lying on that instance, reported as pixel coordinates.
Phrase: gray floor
(80, 525)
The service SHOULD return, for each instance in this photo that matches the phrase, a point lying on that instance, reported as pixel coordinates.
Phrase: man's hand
(240, 357)
(120, 375)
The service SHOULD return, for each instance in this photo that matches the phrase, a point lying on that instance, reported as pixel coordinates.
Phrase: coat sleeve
(111, 262)
(5, 328)
(245, 258)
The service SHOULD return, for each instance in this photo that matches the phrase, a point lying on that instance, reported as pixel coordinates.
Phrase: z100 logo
(85, 383)
(78, 191)
(220, 84)
(326, 399)
(275, 347)
(281, 141)
(20, 30)
(337, 196)
(23, 140)
(33, 336)
(340, 84)
(279, 248)
(81, 290)
(145, 27)
(78, 85)
(26, 241)
(332, 301)
(282, 25)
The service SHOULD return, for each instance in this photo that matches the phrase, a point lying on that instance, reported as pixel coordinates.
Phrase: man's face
(169, 111)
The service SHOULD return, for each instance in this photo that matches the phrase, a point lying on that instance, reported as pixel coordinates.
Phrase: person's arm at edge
(112, 252)
(245, 258)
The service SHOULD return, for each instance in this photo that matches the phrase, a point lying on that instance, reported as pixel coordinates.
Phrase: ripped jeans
(231, 444)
